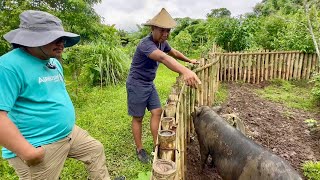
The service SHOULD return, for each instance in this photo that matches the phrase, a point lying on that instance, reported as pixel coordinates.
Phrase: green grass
(103, 113)
(221, 95)
(294, 94)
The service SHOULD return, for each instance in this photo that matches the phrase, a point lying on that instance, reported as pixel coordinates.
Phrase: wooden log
(167, 144)
(167, 123)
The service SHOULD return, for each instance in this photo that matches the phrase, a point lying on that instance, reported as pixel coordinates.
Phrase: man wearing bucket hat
(37, 118)
(141, 92)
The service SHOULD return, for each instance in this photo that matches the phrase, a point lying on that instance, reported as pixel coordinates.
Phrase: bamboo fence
(251, 67)
(255, 67)
(180, 105)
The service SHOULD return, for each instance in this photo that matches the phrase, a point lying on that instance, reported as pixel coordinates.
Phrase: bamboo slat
(266, 69)
(237, 67)
(300, 64)
(271, 66)
(258, 68)
(304, 65)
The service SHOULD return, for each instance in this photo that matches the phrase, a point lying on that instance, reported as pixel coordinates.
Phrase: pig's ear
(197, 110)
(217, 109)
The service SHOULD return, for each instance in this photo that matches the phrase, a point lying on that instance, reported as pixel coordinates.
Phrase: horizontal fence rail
(255, 67)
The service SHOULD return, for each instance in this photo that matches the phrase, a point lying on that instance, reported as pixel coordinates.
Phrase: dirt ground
(278, 128)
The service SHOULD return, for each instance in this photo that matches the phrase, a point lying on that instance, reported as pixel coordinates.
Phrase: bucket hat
(163, 20)
(38, 28)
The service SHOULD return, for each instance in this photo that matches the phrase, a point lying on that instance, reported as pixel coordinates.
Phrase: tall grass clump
(96, 64)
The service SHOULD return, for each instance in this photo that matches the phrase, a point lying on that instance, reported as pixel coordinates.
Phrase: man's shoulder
(10, 57)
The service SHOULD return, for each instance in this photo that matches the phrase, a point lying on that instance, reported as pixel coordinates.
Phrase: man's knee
(99, 149)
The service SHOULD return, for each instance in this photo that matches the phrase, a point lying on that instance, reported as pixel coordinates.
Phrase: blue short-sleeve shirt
(35, 98)
(143, 69)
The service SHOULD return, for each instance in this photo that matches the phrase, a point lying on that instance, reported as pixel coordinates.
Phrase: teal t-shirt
(35, 98)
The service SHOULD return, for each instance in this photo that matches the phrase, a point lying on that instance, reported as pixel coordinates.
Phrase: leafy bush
(316, 89)
(311, 170)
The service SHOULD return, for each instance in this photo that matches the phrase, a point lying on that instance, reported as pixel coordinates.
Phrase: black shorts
(141, 97)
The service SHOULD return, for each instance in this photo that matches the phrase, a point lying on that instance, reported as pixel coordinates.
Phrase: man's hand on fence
(191, 79)
(193, 61)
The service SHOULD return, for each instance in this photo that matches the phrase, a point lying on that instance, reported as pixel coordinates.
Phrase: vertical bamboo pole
(245, 62)
(205, 90)
(314, 63)
(178, 142)
(266, 66)
(240, 76)
(225, 67)
(280, 66)
(258, 67)
(210, 75)
(288, 64)
(295, 66)
(305, 65)
(299, 66)
(254, 68)
(229, 67)
(249, 65)
(262, 65)
(187, 110)
(193, 91)
(220, 67)
(276, 65)
(271, 65)
(237, 67)
(308, 57)
(203, 83)
(284, 65)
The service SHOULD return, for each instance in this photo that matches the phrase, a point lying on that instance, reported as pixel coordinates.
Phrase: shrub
(316, 89)
(311, 170)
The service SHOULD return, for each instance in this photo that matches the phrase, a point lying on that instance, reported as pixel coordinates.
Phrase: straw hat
(38, 28)
(162, 20)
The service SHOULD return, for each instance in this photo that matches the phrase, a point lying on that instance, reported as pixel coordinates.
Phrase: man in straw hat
(37, 118)
(141, 92)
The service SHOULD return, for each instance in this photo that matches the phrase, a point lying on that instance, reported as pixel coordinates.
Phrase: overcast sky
(125, 14)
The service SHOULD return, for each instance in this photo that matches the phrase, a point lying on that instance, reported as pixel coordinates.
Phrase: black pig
(234, 155)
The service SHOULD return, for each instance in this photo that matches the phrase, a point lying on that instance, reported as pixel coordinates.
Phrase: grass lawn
(103, 113)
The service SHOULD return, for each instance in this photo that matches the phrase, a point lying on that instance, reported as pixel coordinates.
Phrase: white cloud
(126, 14)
